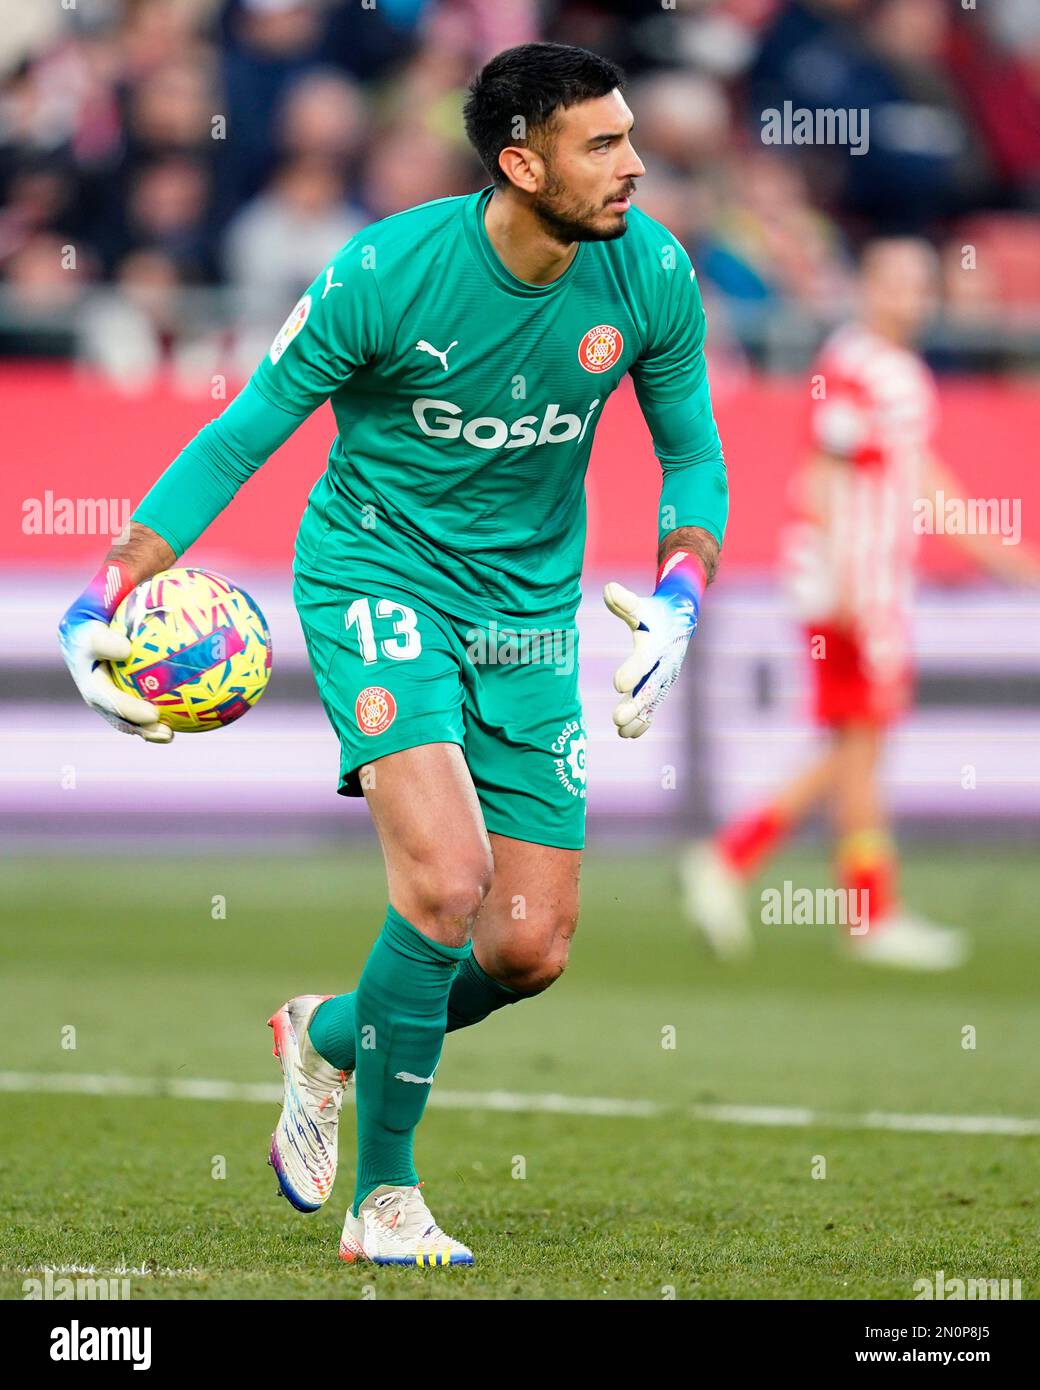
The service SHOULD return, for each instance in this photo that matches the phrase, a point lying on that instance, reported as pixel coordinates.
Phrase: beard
(568, 219)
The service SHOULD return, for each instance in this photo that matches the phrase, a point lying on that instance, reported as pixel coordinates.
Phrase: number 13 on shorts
(406, 643)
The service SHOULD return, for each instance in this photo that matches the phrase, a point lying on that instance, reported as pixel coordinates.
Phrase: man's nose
(634, 167)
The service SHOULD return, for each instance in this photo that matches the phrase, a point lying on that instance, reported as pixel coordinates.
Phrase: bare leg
(856, 803)
(524, 928)
(797, 797)
(438, 858)
(743, 846)
(866, 855)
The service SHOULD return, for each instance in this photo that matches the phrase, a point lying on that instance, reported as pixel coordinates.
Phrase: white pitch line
(544, 1103)
(143, 1271)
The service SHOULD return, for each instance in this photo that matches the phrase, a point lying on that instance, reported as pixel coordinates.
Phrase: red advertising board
(68, 437)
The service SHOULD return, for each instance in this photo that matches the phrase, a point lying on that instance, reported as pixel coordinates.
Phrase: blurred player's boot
(394, 1226)
(303, 1145)
(905, 942)
(713, 899)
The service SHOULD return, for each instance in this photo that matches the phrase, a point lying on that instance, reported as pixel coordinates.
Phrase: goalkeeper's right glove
(88, 642)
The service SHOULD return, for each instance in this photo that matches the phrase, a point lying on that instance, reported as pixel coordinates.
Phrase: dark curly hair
(533, 82)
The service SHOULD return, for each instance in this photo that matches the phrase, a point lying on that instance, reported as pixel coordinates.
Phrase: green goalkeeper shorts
(394, 673)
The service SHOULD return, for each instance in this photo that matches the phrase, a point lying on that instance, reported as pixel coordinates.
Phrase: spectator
(768, 242)
(406, 166)
(269, 44)
(923, 163)
(684, 120)
(167, 209)
(143, 328)
(279, 240)
(41, 196)
(998, 71)
(323, 113)
(47, 275)
(173, 111)
(179, 142)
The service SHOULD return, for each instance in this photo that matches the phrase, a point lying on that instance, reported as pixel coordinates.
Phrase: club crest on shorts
(375, 709)
(600, 348)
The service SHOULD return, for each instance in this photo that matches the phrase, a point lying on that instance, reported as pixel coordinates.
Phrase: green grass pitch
(134, 957)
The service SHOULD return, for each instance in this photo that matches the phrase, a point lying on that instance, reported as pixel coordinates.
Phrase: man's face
(900, 286)
(590, 170)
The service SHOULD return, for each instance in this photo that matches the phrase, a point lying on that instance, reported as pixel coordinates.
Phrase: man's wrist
(682, 576)
(694, 540)
(105, 592)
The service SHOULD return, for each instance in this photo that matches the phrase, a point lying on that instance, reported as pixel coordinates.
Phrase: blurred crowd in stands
(164, 145)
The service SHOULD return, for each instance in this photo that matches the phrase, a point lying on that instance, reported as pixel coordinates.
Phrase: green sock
(474, 995)
(331, 1031)
(400, 1014)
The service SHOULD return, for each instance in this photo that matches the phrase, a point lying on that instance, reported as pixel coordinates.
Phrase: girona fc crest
(600, 348)
(376, 709)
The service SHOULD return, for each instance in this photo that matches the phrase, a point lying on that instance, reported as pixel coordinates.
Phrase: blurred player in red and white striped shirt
(849, 562)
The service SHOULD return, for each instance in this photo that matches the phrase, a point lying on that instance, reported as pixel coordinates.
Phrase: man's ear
(523, 167)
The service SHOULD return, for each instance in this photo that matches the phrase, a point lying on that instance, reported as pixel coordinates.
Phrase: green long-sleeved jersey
(465, 402)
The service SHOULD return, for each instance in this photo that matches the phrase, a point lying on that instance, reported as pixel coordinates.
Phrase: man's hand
(662, 625)
(87, 643)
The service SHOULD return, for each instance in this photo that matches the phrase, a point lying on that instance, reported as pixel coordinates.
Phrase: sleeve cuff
(153, 523)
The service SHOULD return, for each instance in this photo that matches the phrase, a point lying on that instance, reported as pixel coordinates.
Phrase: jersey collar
(473, 210)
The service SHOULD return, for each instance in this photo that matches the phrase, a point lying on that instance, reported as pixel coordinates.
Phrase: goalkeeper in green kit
(468, 347)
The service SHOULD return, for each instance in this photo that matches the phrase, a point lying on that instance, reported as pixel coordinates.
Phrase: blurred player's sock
(894, 938)
(868, 867)
(747, 842)
(474, 995)
(401, 1009)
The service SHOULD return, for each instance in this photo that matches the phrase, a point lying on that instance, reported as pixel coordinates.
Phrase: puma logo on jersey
(418, 1080)
(423, 346)
(331, 284)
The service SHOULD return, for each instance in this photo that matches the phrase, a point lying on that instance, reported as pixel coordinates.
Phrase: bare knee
(530, 961)
(446, 893)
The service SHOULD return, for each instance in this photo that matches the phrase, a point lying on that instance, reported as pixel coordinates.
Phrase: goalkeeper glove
(661, 625)
(88, 642)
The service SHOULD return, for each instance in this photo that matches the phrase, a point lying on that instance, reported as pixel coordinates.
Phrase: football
(200, 649)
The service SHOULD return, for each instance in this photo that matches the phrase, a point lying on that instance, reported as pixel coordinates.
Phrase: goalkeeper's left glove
(661, 625)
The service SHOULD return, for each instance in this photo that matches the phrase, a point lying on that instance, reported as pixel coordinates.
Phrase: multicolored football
(200, 649)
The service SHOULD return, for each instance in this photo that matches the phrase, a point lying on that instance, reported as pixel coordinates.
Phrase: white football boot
(303, 1145)
(905, 942)
(395, 1227)
(713, 898)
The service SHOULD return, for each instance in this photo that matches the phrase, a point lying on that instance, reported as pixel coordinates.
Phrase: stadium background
(172, 173)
